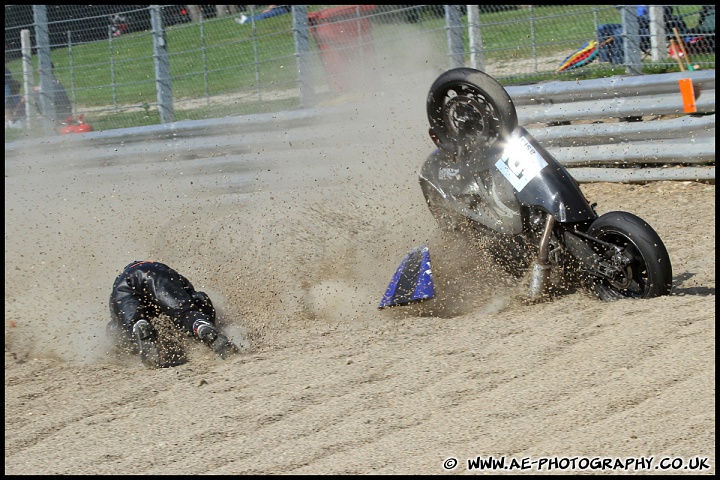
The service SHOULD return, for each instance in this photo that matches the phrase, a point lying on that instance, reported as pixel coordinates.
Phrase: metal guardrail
(668, 144)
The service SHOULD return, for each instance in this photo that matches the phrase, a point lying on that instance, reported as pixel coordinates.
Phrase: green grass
(224, 44)
(127, 62)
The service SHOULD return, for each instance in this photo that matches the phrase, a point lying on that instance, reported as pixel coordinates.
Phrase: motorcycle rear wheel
(468, 102)
(641, 269)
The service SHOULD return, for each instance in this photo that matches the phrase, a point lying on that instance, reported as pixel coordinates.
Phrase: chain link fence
(127, 66)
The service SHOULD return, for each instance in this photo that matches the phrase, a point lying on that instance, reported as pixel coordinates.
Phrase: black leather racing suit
(147, 289)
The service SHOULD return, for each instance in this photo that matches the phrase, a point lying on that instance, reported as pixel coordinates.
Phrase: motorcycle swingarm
(603, 266)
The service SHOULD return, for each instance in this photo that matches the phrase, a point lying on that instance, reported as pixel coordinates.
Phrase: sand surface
(294, 230)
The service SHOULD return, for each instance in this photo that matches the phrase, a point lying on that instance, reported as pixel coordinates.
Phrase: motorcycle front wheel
(634, 262)
(469, 106)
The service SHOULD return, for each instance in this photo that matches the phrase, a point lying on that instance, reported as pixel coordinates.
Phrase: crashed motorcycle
(489, 174)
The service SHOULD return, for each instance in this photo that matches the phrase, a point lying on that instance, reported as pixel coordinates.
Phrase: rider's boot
(211, 337)
(146, 338)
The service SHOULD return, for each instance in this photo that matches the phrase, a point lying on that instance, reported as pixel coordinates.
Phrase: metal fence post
(203, 49)
(302, 55)
(631, 46)
(456, 47)
(113, 83)
(42, 39)
(162, 67)
(657, 32)
(28, 76)
(533, 36)
(477, 59)
(73, 103)
(256, 53)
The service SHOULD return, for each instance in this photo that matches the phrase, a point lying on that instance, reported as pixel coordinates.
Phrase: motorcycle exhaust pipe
(540, 276)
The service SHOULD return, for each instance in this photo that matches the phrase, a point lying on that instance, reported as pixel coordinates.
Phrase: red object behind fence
(76, 125)
(344, 38)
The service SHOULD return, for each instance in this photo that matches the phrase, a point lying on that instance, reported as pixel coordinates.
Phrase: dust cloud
(275, 244)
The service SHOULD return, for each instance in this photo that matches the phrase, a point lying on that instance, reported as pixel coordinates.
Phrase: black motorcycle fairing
(482, 196)
(541, 181)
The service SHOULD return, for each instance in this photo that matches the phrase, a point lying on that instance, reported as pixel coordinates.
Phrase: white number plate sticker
(520, 162)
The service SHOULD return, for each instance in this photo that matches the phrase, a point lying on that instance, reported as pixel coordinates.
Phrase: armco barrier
(667, 145)
(586, 126)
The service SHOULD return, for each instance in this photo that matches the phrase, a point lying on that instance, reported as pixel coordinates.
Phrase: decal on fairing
(520, 162)
(448, 173)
